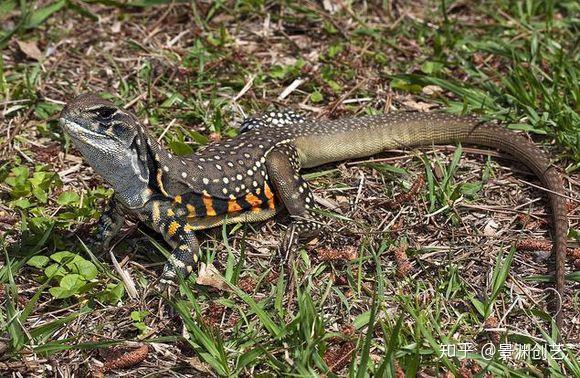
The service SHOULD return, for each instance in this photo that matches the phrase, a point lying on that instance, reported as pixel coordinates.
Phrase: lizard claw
(171, 272)
(164, 285)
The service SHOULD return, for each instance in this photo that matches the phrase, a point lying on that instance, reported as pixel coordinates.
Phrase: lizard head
(113, 142)
(98, 123)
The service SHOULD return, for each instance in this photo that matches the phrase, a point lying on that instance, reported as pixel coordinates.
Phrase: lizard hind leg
(283, 170)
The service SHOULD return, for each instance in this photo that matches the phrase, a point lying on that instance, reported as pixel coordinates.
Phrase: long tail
(328, 141)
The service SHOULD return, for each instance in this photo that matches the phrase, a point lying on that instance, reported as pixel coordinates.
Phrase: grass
(413, 272)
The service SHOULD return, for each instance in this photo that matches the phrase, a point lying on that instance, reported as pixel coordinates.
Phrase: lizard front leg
(170, 220)
(109, 224)
(283, 170)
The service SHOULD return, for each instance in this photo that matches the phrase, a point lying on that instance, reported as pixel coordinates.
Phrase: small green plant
(500, 274)
(445, 191)
(26, 188)
(138, 318)
(74, 274)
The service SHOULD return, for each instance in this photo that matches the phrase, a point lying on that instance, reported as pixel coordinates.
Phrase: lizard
(252, 176)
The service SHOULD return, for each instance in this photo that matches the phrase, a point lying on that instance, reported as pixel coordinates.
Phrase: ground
(437, 261)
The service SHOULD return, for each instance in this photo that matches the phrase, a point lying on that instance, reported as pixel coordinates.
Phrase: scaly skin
(250, 177)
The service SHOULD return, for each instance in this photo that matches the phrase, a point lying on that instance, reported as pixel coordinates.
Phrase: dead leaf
(210, 276)
(116, 28)
(490, 228)
(30, 49)
(330, 6)
(198, 365)
(327, 203)
(432, 89)
(418, 106)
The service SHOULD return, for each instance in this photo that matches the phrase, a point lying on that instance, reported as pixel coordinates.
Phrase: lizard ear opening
(141, 165)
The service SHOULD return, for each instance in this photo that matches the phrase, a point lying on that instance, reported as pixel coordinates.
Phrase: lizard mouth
(78, 132)
(74, 128)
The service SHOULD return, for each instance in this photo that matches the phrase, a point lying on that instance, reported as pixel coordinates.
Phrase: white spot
(169, 155)
(239, 176)
(205, 180)
(225, 190)
(166, 168)
(225, 179)
(184, 174)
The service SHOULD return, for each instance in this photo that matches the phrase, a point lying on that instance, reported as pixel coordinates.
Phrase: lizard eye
(105, 113)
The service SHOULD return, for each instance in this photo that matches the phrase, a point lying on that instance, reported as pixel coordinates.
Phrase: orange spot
(172, 229)
(188, 228)
(269, 196)
(268, 191)
(252, 200)
(208, 203)
(177, 199)
(170, 213)
(233, 206)
(191, 210)
(160, 182)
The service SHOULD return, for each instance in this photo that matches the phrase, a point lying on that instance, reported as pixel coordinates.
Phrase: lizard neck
(135, 173)
(131, 173)
(166, 176)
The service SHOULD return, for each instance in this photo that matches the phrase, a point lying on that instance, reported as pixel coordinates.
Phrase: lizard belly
(254, 215)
